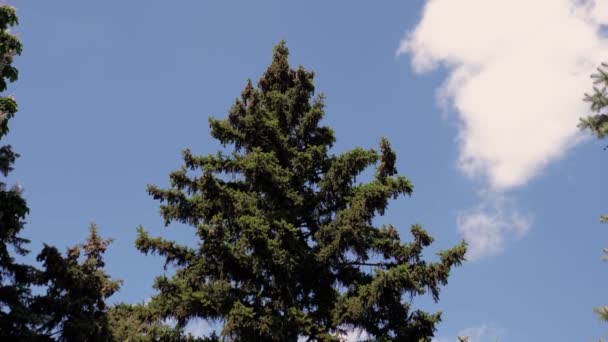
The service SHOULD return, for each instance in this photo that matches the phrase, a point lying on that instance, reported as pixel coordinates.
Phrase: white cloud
(351, 335)
(517, 73)
(484, 333)
(441, 339)
(354, 335)
(200, 328)
(489, 227)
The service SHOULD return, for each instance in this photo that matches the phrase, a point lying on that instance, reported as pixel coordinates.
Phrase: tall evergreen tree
(287, 247)
(598, 125)
(16, 319)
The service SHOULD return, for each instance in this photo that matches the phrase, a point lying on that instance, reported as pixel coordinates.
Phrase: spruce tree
(598, 125)
(16, 319)
(286, 243)
(77, 287)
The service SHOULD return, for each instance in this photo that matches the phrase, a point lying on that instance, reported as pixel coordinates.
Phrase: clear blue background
(110, 93)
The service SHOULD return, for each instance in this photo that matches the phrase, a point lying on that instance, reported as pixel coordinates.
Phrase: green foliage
(602, 312)
(138, 323)
(286, 242)
(597, 124)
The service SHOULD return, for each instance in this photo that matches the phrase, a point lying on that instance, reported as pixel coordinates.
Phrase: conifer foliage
(15, 278)
(598, 125)
(287, 247)
(137, 323)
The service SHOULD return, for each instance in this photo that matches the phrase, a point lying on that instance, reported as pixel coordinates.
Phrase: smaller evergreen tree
(77, 287)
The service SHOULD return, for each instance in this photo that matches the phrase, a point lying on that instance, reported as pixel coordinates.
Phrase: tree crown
(287, 246)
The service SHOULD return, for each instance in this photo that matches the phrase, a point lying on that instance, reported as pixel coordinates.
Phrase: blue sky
(482, 117)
